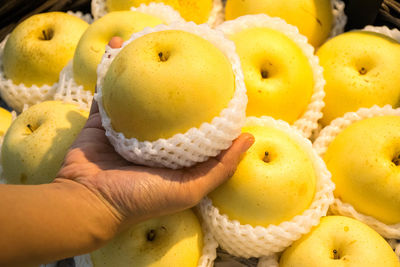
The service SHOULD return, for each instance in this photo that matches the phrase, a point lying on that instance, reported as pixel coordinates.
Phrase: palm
(134, 192)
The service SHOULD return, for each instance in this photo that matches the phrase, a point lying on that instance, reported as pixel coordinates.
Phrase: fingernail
(116, 42)
(249, 141)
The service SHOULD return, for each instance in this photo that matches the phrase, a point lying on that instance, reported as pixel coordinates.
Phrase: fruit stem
(163, 57)
(266, 157)
(264, 74)
(30, 127)
(45, 35)
(362, 71)
(151, 235)
(335, 255)
(396, 160)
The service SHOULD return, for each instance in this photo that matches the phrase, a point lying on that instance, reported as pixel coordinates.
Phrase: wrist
(102, 220)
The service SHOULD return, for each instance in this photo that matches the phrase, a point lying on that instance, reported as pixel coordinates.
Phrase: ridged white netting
(271, 261)
(392, 33)
(99, 9)
(17, 95)
(69, 91)
(339, 18)
(327, 135)
(248, 241)
(308, 122)
(209, 253)
(86, 17)
(160, 10)
(217, 14)
(197, 144)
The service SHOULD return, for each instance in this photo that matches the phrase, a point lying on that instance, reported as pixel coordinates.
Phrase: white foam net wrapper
(392, 33)
(271, 261)
(16, 96)
(209, 253)
(86, 17)
(248, 241)
(68, 90)
(339, 18)
(99, 9)
(197, 144)
(308, 121)
(217, 15)
(160, 10)
(327, 135)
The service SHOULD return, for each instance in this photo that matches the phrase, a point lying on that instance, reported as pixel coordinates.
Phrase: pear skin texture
(313, 18)
(340, 241)
(92, 45)
(165, 83)
(278, 76)
(33, 58)
(191, 10)
(362, 159)
(37, 141)
(175, 240)
(265, 191)
(5, 121)
(361, 70)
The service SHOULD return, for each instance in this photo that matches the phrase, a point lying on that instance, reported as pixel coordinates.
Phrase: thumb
(115, 42)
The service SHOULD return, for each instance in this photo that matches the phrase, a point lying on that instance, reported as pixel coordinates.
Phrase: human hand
(136, 193)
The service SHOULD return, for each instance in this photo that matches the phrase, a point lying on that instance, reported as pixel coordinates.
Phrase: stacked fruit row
(177, 93)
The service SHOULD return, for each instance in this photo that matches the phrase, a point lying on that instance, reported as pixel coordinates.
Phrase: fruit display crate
(359, 14)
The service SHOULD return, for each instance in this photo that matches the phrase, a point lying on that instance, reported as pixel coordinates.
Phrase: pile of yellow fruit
(319, 187)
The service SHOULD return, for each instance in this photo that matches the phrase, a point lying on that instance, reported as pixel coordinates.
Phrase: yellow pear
(37, 141)
(364, 161)
(39, 48)
(165, 83)
(92, 45)
(314, 18)
(278, 76)
(361, 70)
(340, 241)
(274, 181)
(173, 240)
(191, 10)
(5, 121)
